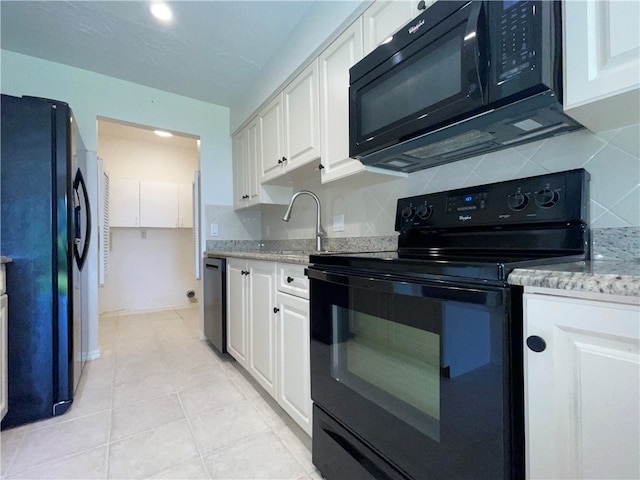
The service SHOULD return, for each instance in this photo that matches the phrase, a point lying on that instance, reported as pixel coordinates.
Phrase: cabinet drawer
(292, 280)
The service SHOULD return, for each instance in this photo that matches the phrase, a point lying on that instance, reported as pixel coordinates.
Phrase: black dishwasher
(215, 302)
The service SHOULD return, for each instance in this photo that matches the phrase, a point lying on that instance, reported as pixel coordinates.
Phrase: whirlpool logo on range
(416, 27)
(464, 218)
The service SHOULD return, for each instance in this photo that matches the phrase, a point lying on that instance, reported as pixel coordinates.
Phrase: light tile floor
(160, 403)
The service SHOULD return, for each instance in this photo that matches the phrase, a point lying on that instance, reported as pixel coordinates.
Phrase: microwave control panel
(517, 47)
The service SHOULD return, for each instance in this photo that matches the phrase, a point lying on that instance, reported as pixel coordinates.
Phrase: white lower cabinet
(268, 331)
(250, 318)
(237, 294)
(582, 387)
(294, 364)
(262, 322)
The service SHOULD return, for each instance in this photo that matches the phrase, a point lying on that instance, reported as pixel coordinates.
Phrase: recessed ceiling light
(162, 133)
(161, 11)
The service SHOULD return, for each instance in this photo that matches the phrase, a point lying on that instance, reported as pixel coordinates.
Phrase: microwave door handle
(472, 41)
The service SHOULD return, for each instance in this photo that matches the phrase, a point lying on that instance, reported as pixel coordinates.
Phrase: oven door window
(417, 371)
(395, 366)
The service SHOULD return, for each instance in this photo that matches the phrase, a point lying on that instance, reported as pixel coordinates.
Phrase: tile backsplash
(232, 225)
(612, 159)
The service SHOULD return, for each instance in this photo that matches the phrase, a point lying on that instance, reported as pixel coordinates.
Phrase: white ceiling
(212, 51)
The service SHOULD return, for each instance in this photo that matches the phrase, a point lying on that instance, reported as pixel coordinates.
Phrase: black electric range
(416, 354)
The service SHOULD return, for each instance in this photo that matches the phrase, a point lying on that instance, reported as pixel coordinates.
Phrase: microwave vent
(452, 145)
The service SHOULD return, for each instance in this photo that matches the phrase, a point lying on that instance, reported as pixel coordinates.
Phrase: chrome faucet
(320, 233)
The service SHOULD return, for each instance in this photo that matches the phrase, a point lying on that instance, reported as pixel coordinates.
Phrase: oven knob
(517, 201)
(407, 213)
(547, 198)
(424, 211)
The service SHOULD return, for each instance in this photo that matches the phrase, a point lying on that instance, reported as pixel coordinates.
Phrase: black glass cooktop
(485, 268)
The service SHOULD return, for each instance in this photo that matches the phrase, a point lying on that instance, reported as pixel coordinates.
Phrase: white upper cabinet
(334, 64)
(290, 127)
(602, 62)
(158, 204)
(246, 185)
(124, 202)
(270, 140)
(301, 119)
(143, 203)
(384, 18)
(247, 155)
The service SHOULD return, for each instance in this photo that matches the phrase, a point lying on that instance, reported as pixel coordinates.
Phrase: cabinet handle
(289, 279)
(422, 5)
(320, 167)
(244, 272)
(279, 161)
(536, 343)
(284, 159)
(245, 197)
(276, 309)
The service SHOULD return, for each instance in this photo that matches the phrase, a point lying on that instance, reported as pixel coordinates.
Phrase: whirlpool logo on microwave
(416, 27)
(464, 218)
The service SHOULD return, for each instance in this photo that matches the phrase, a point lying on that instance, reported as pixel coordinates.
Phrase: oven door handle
(491, 297)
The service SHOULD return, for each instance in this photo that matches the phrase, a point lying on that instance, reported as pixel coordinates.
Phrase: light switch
(338, 223)
(214, 229)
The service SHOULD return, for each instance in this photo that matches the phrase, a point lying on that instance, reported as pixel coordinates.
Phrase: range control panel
(556, 197)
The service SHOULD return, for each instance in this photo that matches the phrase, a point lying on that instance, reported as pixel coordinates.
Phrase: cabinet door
(158, 204)
(3, 355)
(294, 368)
(185, 205)
(262, 335)
(270, 144)
(236, 310)
(301, 119)
(239, 154)
(384, 18)
(252, 162)
(602, 62)
(334, 64)
(124, 202)
(582, 391)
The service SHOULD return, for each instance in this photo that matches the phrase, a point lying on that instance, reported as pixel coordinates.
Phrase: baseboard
(92, 355)
(123, 313)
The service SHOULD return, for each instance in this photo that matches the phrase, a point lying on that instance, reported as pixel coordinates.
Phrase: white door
(294, 368)
(124, 202)
(582, 391)
(236, 310)
(334, 64)
(262, 335)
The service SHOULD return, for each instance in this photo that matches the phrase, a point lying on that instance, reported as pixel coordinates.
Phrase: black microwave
(462, 79)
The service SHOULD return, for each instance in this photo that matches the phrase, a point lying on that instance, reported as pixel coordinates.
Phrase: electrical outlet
(268, 232)
(214, 230)
(143, 234)
(338, 223)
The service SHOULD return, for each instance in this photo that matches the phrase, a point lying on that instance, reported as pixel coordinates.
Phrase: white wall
(154, 269)
(612, 158)
(150, 273)
(92, 95)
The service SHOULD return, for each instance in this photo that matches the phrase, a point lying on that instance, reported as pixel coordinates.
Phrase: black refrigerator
(46, 229)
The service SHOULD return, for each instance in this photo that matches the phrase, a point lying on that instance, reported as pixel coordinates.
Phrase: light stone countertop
(604, 277)
(301, 258)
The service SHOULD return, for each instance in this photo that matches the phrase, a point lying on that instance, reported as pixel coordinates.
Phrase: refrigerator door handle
(77, 218)
(81, 258)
